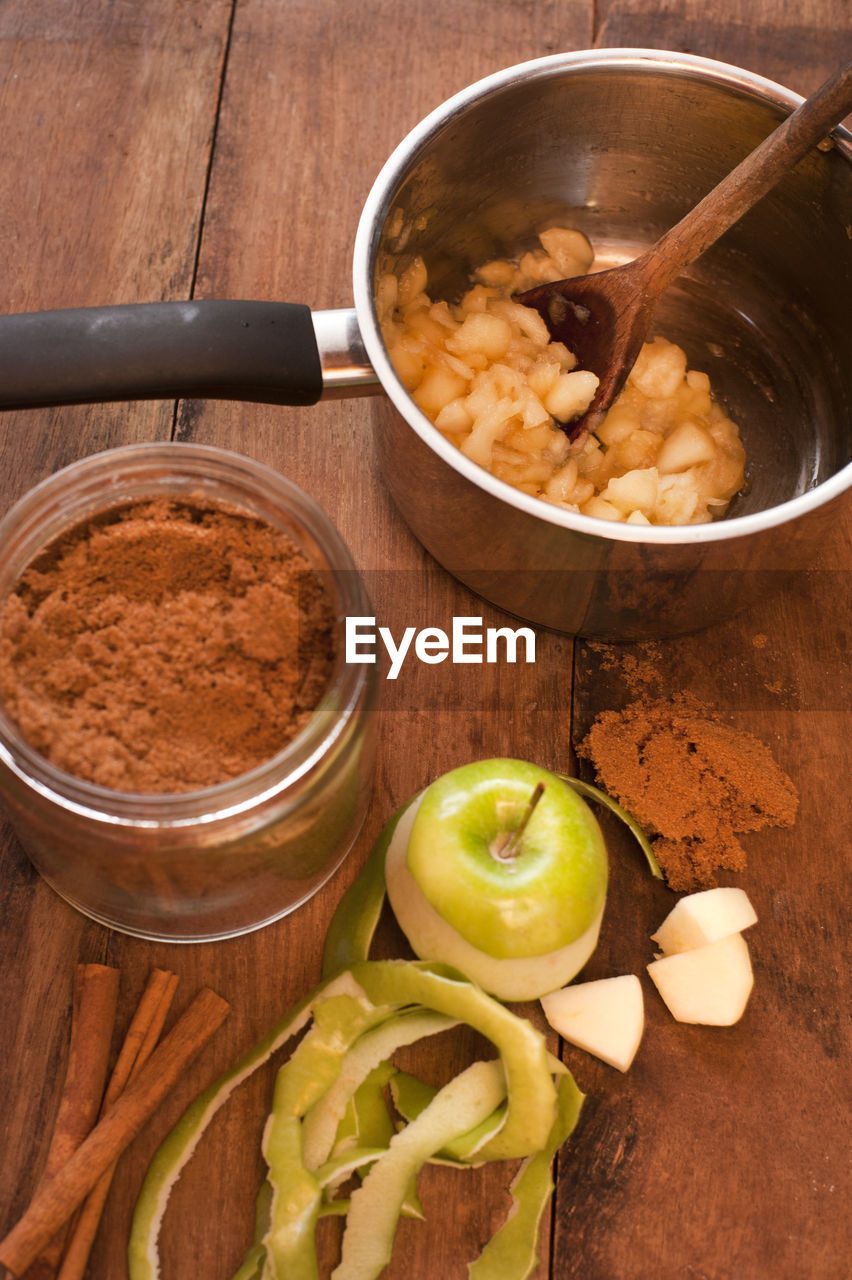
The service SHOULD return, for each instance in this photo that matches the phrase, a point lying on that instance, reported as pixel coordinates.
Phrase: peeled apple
(433, 938)
(499, 868)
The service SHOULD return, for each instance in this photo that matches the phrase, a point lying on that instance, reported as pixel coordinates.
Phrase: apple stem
(508, 848)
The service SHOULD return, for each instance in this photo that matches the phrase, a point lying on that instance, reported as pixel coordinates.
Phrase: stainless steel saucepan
(620, 144)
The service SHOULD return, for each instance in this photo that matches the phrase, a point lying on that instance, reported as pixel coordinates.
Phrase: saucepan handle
(261, 351)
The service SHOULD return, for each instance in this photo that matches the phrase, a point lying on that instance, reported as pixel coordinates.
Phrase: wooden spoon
(605, 317)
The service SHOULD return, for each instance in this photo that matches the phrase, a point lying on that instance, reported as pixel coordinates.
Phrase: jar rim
(128, 472)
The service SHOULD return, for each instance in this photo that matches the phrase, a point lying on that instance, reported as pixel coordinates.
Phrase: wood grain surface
(178, 148)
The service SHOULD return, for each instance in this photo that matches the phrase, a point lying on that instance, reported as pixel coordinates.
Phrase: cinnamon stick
(143, 1032)
(142, 1035)
(92, 1022)
(60, 1195)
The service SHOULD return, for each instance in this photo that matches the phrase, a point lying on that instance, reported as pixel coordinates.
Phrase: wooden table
(178, 148)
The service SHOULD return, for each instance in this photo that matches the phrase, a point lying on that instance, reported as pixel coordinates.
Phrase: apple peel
(588, 792)
(518, 1120)
(330, 1175)
(321, 1123)
(511, 1253)
(522, 1049)
(314, 1067)
(336, 1170)
(177, 1149)
(356, 917)
(367, 1121)
(375, 1206)
(412, 1095)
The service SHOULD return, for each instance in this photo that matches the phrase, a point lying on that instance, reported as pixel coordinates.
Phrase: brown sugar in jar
(165, 646)
(184, 753)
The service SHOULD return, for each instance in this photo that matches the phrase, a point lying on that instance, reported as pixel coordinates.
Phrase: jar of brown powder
(184, 752)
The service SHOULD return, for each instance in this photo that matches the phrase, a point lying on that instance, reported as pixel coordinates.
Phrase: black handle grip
(261, 351)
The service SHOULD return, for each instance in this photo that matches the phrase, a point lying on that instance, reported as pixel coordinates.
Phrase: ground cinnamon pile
(693, 782)
(165, 645)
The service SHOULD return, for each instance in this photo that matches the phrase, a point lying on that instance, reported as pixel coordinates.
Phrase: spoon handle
(750, 180)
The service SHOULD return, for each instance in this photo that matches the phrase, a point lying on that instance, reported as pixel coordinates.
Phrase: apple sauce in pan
(485, 371)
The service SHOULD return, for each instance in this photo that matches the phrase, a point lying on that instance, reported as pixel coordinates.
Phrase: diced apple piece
(618, 424)
(708, 985)
(438, 388)
(541, 375)
(562, 483)
(527, 319)
(496, 274)
(660, 369)
(637, 450)
(569, 249)
(601, 509)
(454, 417)
(634, 491)
(689, 444)
(408, 365)
(482, 332)
(571, 394)
(677, 498)
(606, 1017)
(704, 917)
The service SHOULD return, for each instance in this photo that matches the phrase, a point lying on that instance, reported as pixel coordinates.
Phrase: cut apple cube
(571, 394)
(709, 985)
(605, 1017)
(704, 917)
(569, 249)
(634, 491)
(688, 445)
(438, 387)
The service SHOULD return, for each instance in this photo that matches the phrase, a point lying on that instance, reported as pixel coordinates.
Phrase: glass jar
(220, 861)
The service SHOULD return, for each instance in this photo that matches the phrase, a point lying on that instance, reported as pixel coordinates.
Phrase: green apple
(509, 896)
(500, 869)
(432, 938)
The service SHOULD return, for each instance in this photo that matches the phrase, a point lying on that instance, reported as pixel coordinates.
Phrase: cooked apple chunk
(484, 370)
